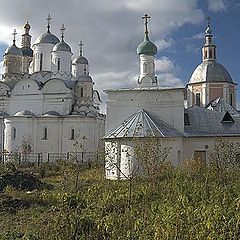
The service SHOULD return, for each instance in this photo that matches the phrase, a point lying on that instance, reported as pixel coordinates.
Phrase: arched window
(45, 133)
(72, 137)
(144, 67)
(14, 133)
(58, 64)
(81, 92)
(231, 99)
(41, 61)
(198, 99)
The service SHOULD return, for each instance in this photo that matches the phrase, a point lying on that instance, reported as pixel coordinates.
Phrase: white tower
(146, 50)
(26, 48)
(62, 56)
(42, 50)
(80, 64)
(12, 59)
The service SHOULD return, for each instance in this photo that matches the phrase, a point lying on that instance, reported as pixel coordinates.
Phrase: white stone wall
(65, 62)
(87, 132)
(166, 104)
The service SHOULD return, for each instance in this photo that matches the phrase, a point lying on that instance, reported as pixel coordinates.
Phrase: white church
(47, 100)
(185, 120)
(48, 105)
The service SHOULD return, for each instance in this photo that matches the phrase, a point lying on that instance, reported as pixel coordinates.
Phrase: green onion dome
(147, 47)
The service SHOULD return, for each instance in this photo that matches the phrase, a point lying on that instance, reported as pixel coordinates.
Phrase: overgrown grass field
(190, 202)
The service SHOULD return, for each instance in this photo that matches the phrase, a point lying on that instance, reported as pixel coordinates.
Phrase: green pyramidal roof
(146, 47)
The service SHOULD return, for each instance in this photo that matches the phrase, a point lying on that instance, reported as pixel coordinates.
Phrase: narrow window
(81, 92)
(58, 64)
(72, 134)
(214, 53)
(198, 99)
(205, 54)
(45, 132)
(41, 61)
(14, 133)
(210, 54)
(231, 99)
(85, 70)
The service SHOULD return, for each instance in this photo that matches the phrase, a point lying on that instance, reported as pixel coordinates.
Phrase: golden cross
(146, 17)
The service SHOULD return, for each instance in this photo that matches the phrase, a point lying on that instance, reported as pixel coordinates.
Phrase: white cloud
(164, 43)
(110, 30)
(167, 73)
(216, 5)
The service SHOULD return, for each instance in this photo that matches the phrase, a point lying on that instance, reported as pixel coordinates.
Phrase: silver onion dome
(47, 38)
(62, 46)
(13, 50)
(210, 71)
(80, 60)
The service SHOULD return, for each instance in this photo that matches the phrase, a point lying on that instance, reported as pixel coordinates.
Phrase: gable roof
(143, 124)
(204, 122)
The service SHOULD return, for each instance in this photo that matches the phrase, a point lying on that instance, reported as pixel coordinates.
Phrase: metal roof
(221, 105)
(143, 124)
(210, 71)
(203, 122)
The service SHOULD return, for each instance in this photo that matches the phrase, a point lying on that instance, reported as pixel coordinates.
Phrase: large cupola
(42, 50)
(147, 50)
(210, 79)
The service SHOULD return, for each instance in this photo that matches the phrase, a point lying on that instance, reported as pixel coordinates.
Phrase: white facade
(149, 112)
(46, 107)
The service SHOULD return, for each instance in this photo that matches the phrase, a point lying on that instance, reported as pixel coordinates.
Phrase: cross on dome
(208, 30)
(62, 29)
(14, 36)
(49, 21)
(80, 48)
(146, 17)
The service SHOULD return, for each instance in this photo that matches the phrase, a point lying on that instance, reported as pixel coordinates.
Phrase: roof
(62, 46)
(147, 47)
(47, 38)
(51, 114)
(143, 124)
(24, 113)
(221, 105)
(80, 60)
(84, 78)
(210, 71)
(200, 121)
(13, 50)
(27, 51)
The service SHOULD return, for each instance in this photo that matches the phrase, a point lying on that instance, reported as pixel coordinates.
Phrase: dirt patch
(22, 181)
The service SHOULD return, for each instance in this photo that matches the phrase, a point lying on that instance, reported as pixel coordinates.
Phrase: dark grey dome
(13, 50)
(85, 78)
(27, 51)
(47, 38)
(52, 114)
(24, 113)
(62, 46)
(80, 60)
(210, 71)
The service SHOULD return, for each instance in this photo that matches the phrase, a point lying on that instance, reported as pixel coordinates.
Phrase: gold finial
(62, 29)
(14, 36)
(146, 17)
(80, 47)
(49, 21)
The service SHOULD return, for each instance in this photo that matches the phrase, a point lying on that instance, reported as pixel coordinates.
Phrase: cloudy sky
(111, 31)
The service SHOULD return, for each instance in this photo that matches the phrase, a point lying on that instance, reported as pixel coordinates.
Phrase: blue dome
(47, 38)
(27, 51)
(62, 46)
(13, 50)
(80, 60)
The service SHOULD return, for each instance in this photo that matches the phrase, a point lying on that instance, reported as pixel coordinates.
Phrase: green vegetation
(191, 202)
